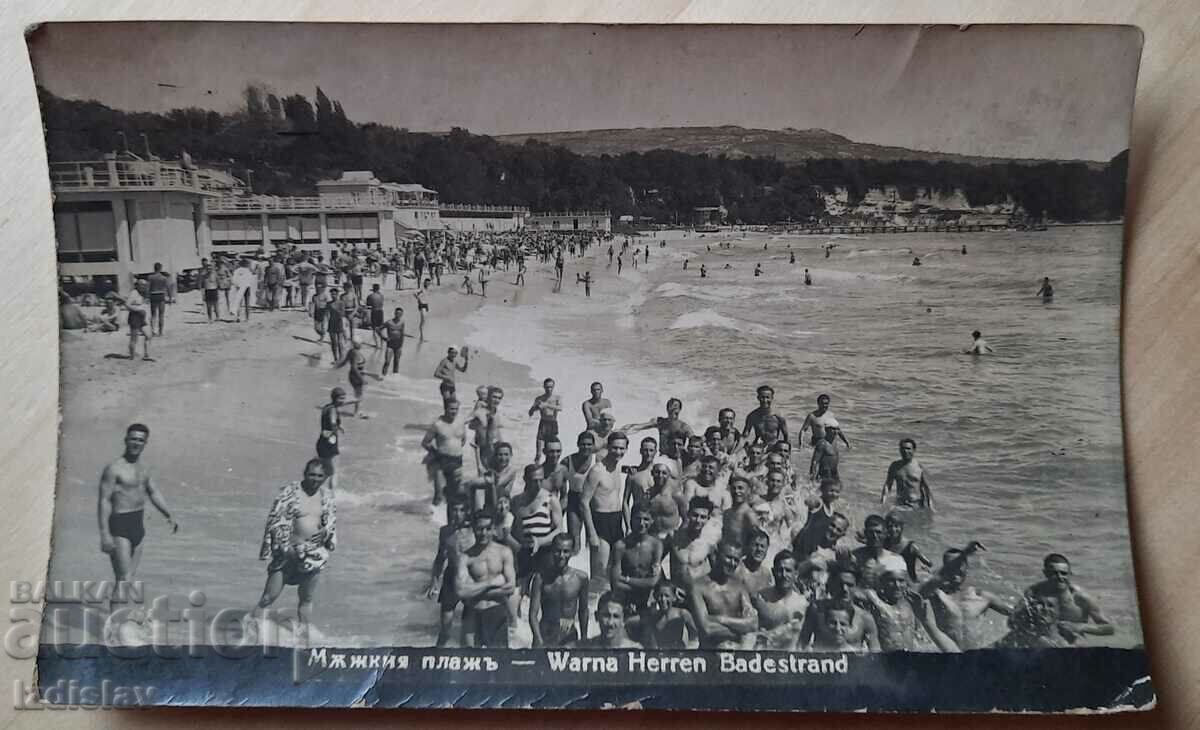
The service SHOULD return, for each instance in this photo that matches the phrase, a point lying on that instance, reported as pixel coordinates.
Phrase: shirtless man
(329, 440)
(601, 501)
(666, 503)
(578, 465)
(638, 479)
(897, 613)
(548, 404)
(135, 304)
(824, 464)
(705, 485)
(446, 368)
(604, 427)
(555, 473)
(662, 624)
(495, 481)
(721, 604)
(757, 420)
(776, 514)
(485, 423)
(907, 549)
(453, 540)
(393, 335)
(300, 534)
(125, 485)
(819, 420)
(634, 567)
(667, 427)
(820, 513)
(689, 546)
(731, 438)
(1047, 290)
(906, 473)
(374, 303)
(739, 518)
(444, 442)
(825, 635)
(755, 571)
(1079, 613)
(957, 607)
(610, 615)
(592, 406)
(486, 581)
(781, 608)
(873, 559)
(979, 346)
(558, 610)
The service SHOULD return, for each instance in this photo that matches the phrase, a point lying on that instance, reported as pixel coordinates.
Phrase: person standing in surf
(125, 485)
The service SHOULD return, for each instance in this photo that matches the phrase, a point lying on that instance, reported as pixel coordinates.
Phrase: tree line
(288, 143)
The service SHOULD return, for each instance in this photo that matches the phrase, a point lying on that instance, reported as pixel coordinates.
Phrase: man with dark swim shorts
(393, 331)
(548, 404)
(375, 307)
(331, 429)
(159, 285)
(135, 304)
(125, 485)
(486, 580)
(444, 442)
(453, 540)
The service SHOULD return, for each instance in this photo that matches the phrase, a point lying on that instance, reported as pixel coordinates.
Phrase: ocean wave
(712, 318)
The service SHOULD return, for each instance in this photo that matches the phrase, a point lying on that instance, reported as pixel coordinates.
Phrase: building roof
(406, 188)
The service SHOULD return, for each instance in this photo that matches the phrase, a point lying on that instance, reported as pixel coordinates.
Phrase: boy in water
(894, 540)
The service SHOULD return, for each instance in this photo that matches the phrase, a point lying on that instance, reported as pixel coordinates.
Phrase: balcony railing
(469, 208)
(348, 201)
(572, 214)
(109, 174)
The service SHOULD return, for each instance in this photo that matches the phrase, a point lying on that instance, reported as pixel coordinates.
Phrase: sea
(1022, 448)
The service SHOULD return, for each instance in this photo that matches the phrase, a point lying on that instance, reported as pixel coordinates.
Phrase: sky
(1053, 92)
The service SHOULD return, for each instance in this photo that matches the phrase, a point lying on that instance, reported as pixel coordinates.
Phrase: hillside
(785, 145)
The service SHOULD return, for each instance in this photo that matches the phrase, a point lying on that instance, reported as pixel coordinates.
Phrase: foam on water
(712, 318)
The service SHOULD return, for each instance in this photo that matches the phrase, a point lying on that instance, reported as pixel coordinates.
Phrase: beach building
(115, 217)
(571, 220)
(487, 218)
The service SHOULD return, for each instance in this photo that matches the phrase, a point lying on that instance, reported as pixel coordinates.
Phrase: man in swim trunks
(756, 420)
(300, 534)
(454, 538)
(537, 518)
(819, 420)
(336, 323)
(558, 609)
(721, 604)
(158, 285)
(705, 484)
(486, 581)
(495, 481)
(840, 593)
(375, 312)
(601, 500)
(1047, 290)
(331, 431)
(638, 479)
(1079, 613)
(909, 478)
(393, 331)
(209, 283)
(824, 463)
(358, 363)
(125, 485)
(555, 473)
(445, 370)
(634, 567)
(548, 404)
(578, 465)
(594, 405)
(781, 608)
(610, 616)
(135, 304)
(444, 442)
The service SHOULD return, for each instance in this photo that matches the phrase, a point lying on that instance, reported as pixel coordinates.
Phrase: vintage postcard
(734, 367)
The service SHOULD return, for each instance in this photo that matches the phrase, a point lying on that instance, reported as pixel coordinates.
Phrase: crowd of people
(719, 537)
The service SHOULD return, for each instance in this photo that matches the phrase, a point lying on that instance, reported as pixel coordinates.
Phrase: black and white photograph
(699, 364)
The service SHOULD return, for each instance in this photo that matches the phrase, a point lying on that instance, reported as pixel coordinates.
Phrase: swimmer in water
(1047, 290)
(807, 278)
(916, 261)
(703, 271)
(979, 346)
(909, 478)
(1079, 613)
(758, 268)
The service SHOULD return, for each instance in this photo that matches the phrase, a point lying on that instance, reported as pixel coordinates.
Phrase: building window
(86, 232)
